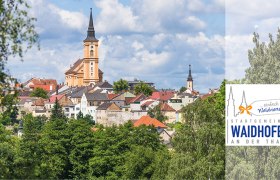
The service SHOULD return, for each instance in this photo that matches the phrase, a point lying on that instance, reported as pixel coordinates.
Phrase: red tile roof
(138, 98)
(112, 96)
(53, 98)
(162, 95)
(147, 103)
(39, 102)
(49, 87)
(147, 120)
(166, 107)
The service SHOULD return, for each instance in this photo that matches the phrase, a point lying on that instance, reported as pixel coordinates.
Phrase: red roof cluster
(46, 84)
(147, 120)
(162, 95)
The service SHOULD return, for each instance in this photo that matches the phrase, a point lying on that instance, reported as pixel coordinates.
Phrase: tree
(264, 61)
(10, 111)
(157, 113)
(81, 147)
(29, 154)
(39, 92)
(57, 112)
(55, 143)
(183, 89)
(80, 115)
(120, 86)
(17, 34)
(199, 144)
(143, 88)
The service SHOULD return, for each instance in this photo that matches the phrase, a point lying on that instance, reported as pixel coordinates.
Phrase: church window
(91, 53)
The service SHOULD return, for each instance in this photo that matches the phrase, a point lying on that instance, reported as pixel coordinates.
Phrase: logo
(256, 123)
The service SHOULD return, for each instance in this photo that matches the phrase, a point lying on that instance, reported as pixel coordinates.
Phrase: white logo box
(252, 115)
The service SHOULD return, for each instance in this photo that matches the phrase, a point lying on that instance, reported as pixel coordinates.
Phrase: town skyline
(134, 48)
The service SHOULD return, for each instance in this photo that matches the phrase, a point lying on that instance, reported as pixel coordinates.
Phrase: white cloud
(115, 17)
(75, 20)
(195, 22)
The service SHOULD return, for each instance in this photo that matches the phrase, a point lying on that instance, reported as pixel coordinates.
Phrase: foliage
(143, 88)
(80, 115)
(17, 34)
(264, 61)
(10, 111)
(57, 111)
(183, 89)
(157, 113)
(199, 144)
(39, 92)
(120, 86)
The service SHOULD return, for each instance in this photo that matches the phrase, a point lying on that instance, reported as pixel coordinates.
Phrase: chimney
(56, 90)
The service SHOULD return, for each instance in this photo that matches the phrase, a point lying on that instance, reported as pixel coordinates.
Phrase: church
(85, 71)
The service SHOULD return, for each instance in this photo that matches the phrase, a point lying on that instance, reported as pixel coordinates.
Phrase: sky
(149, 40)
(243, 17)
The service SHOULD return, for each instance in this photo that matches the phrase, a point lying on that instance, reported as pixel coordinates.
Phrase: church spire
(190, 74)
(90, 31)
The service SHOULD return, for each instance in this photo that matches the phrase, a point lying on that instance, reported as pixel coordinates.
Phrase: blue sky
(149, 40)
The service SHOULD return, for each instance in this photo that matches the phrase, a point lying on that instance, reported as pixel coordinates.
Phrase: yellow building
(85, 71)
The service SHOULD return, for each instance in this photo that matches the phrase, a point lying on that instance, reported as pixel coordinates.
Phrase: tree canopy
(120, 86)
(39, 92)
(143, 88)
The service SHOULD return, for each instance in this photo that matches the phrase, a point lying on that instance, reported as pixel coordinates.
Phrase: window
(91, 68)
(91, 53)
(91, 63)
(91, 74)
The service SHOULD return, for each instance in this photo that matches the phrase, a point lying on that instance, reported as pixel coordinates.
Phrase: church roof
(75, 65)
(190, 74)
(91, 31)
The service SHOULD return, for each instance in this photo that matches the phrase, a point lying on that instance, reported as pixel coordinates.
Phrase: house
(162, 96)
(135, 103)
(166, 136)
(106, 110)
(169, 112)
(148, 121)
(135, 82)
(46, 84)
(122, 99)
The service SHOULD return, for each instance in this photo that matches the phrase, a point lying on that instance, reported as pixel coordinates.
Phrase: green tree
(57, 112)
(264, 61)
(120, 86)
(29, 154)
(157, 113)
(143, 88)
(8, 148)
(199, 144)
(17, 34)
(55, 150)
(183, 89)
(8, 106)
(80, 115)
(81, 145)
(39, 92)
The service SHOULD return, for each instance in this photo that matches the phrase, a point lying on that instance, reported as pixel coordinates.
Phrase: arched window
(91, 53)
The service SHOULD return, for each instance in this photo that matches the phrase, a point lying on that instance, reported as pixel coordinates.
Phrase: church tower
(190, 80)
(85, 71)
(91, 73)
